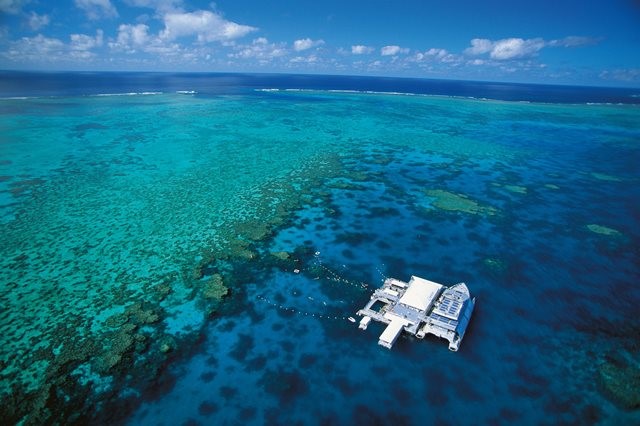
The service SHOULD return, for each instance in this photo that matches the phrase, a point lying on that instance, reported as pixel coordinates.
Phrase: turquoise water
(151, 242)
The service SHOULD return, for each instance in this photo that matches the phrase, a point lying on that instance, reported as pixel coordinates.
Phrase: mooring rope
(302, 312)
(335, 277)
(332, 276)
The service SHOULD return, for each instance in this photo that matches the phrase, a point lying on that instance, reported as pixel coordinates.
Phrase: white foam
(429, 95)
(129, 94)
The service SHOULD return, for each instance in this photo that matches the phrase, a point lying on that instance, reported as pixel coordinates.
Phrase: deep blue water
(86, 83)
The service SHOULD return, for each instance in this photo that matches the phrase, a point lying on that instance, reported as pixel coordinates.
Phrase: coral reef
(603, 230)
(214, 288)
(605, 177)
(619, 379)
(166, 344)
(281, 255)
(117, 284)
(516, 188)
(495, 265)
(445, 200)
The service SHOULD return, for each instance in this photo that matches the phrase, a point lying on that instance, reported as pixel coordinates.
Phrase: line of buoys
(332, 276)
(381, 273)
(300, 312)
(337, 278)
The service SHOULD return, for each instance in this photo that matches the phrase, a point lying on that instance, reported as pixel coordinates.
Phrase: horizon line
(281, 73)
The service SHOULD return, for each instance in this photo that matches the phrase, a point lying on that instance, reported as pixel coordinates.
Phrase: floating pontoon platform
(419, 307)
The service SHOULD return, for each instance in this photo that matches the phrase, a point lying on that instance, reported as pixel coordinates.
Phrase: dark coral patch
(208, 376)
(256, 364)
(287, 386)
(364, 415)
(353, 238)
(247, 413)
(242, 348)
(89, 126)
(207, 408)
(307, 360)
(228, 392)
(346, 388)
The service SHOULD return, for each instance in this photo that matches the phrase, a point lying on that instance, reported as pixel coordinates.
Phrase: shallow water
(121, 213)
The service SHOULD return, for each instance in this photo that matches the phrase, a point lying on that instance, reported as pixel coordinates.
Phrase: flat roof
(391, 292)
(396, 282)
(393, 330)
(421, 293)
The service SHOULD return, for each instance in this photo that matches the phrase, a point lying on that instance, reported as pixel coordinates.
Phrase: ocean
(188, 249)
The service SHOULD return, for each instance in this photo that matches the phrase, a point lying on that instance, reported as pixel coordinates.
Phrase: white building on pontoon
(419, 307)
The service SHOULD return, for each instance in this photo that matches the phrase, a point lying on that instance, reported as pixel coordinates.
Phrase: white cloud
(505, 49)
(36, 21)
(82, 48)
(131, 38)
(261, 50)
(360, 49)
(43, 44)
(517, 48)
(624, 74)
(11, 7)
(477, 62)
(512, 48)
(136, 35)
(436, 55)
(83, 42)
(573, 41)
(479, 46)
(393, 50)
(36, 48)
(306, 43)
(136, 38)
(96, 9)
(311, 59)
(40, 49)
(206, 25)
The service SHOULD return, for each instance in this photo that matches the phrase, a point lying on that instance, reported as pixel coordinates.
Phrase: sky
(586, 42)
